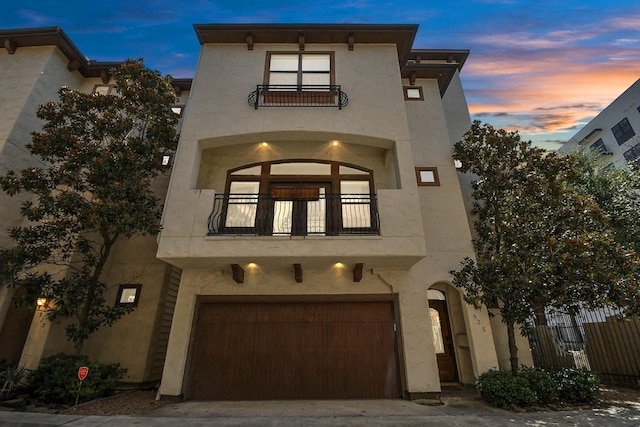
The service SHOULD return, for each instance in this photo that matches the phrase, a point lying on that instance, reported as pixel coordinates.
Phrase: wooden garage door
(294, 350)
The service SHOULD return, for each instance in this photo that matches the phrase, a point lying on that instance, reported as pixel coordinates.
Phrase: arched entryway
(442, 336)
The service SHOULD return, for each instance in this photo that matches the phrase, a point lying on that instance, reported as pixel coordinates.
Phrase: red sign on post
(82, 373)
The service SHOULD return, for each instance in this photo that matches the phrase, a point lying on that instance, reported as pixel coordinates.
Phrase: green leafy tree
(540, 241)
(102, 154)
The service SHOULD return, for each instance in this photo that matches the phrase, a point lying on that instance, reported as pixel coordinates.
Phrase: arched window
(297, 197)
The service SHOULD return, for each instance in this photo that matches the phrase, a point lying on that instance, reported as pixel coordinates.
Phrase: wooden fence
(600, 341)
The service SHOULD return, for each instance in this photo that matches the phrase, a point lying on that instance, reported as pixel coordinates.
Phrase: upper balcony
(278, 213)
(298, 96)
(294, 212)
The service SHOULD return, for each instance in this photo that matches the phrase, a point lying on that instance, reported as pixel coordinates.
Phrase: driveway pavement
(456, 411)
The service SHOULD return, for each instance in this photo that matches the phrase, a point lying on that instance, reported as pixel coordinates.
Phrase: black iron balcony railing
(269, 215)
(298, 96)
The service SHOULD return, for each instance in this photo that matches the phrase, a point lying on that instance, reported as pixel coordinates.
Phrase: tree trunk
(97, 272)
(541, 318)
(513, 348)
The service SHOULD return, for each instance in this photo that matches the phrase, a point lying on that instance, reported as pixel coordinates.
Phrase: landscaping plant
(56, 379)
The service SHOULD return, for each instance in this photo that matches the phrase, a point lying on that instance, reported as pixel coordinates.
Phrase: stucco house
(312, 215)
(34, 64)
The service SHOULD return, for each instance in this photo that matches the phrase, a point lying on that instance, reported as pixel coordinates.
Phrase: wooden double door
(294, 350)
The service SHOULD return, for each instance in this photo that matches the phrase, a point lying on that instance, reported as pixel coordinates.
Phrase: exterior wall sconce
(42, 304)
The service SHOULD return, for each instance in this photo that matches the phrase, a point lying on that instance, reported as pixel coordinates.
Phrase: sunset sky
(544, 68)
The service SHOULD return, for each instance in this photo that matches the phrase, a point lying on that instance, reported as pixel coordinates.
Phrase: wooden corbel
(104, 75)
(301, 41)
(297, 272)
(73, 65)
(357, 272)
(10, 45)
(351, 41)
(238, 273)
(249, 39)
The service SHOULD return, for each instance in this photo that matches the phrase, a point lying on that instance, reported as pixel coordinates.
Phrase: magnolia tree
(542, 239)
(102, 154)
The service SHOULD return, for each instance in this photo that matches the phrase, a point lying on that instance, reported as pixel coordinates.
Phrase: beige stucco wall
(424, 230)
(33, 77)
(29, 77)
(220, 121)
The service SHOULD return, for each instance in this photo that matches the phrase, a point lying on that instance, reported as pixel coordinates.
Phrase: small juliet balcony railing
(298, 96)
(304, 215)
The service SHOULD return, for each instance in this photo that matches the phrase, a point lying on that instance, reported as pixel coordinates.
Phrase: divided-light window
(623, 131)
(297, 198)
(307, 71)
(598, 147)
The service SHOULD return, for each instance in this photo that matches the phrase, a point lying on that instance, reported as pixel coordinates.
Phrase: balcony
(298, 96)
(308, 212)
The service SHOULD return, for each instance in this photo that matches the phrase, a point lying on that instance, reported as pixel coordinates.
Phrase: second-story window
(304, 70)
(623, 131)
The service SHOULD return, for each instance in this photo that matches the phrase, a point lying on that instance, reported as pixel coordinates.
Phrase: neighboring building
(34, 64)
(311, 220)
(614, 133)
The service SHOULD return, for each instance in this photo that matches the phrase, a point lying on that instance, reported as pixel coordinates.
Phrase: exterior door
(300, 209)
(295, 350)
(443, 341)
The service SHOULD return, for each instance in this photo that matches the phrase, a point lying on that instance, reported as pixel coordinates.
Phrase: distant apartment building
(614, 133)
(312, 215)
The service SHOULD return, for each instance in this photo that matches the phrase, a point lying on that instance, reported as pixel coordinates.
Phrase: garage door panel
(294, 351)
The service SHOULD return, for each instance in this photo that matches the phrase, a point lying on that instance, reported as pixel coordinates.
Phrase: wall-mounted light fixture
(41, 303)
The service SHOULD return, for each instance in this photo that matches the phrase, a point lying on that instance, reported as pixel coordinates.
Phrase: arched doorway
(442, 336)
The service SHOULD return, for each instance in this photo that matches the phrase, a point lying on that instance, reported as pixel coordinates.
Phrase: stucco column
(420, 363)
(178, 346)
(481, 345)
(36, 343)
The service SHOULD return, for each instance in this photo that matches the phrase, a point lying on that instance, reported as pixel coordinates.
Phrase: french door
(300, 209)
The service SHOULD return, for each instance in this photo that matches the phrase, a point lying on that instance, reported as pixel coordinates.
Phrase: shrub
(577, 385)
(12, 379)
(56, 379)
(542, 383)
(504, 390)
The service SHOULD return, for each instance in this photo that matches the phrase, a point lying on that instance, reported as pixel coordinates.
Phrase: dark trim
(14, 39)
(436, 178)
(203, 299)
(122, 288)
(405, 89)
(402, 35)
(332, 63)
(95, 87)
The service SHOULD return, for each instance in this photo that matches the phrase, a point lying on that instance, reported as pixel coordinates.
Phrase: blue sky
(544, 68)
